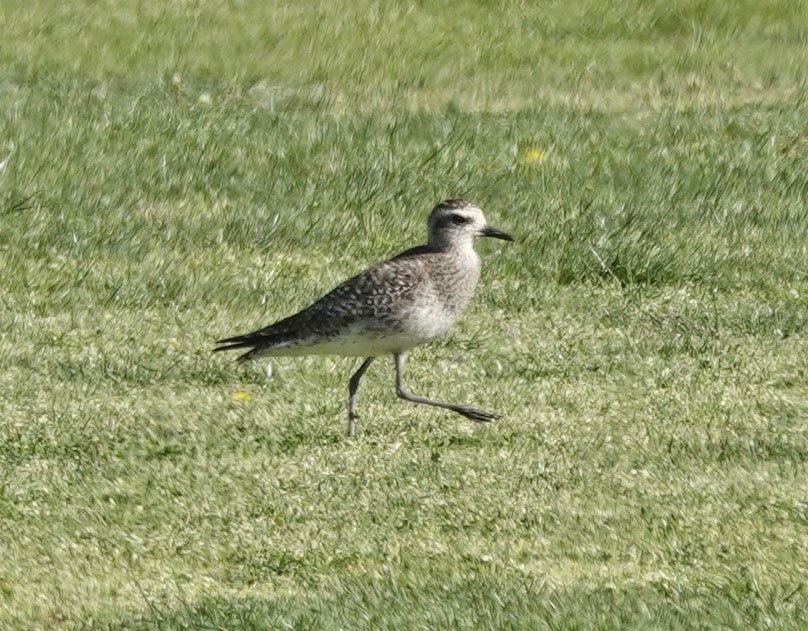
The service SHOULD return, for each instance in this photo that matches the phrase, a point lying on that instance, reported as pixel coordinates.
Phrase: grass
(178, 172)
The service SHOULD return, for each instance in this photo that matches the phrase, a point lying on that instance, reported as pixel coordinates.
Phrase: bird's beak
(488, 231)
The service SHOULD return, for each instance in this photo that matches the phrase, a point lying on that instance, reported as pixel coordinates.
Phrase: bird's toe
(479, 416)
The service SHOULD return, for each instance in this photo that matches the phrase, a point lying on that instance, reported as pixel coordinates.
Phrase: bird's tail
(261, 342)
(240, 341)
(278, 338)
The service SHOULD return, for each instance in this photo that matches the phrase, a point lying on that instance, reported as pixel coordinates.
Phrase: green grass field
(176, 172)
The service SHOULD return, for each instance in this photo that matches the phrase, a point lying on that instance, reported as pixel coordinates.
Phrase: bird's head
(456, 222)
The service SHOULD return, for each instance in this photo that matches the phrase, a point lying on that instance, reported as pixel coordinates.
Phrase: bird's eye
(458, 220)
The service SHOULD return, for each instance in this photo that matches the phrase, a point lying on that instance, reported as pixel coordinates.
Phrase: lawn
(174, 173)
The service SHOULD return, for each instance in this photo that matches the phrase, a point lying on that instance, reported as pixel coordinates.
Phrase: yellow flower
(241, 395)
(534, 154)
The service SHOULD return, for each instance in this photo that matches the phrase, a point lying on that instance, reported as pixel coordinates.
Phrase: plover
(389, 308)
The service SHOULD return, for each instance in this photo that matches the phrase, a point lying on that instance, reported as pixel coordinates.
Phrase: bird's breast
(456, 279)
(442, 298)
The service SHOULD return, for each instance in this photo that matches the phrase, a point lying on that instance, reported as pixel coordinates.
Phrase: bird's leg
(353, 385)
(474, 414)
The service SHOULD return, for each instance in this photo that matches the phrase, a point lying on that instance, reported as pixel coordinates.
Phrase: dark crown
(453, 204)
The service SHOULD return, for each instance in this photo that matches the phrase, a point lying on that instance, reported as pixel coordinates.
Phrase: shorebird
(389, 308)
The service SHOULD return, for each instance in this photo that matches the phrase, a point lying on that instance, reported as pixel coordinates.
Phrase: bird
(390, 308)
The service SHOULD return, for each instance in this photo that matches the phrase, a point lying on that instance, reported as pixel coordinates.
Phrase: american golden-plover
(390, 308)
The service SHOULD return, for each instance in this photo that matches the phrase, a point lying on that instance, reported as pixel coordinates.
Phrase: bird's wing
(367, 296)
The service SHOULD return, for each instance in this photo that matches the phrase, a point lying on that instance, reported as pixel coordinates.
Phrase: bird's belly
(365, 345)
(407, 329)
(425, 322)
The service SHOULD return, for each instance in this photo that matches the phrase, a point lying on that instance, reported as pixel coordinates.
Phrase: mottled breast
(447, 284)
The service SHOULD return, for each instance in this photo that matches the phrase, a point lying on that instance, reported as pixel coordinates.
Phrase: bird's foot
(478, 416)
